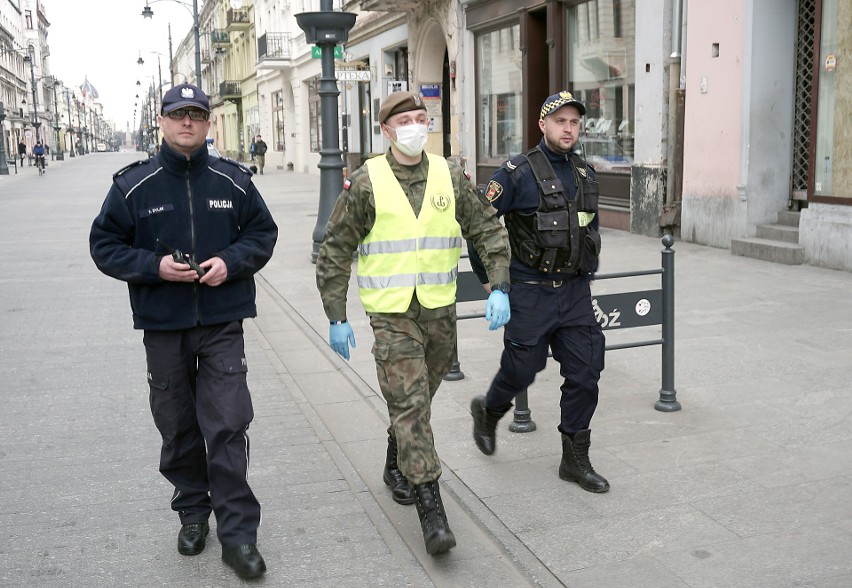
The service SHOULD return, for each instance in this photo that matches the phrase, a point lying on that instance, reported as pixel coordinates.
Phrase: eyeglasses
(192, 114)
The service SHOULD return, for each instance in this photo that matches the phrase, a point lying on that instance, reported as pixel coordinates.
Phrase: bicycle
(40, 164)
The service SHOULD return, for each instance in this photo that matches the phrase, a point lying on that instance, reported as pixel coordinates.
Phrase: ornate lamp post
(79, 144)
(36, 122)
(4, 167)
(148, 13)
(58, 151)
(70, 128)
(326, 29)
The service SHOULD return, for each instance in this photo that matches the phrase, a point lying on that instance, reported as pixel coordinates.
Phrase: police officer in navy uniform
(190, 301)
(548, 198)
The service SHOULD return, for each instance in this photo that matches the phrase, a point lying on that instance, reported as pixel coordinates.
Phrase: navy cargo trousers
(555, 315)
(202, 407)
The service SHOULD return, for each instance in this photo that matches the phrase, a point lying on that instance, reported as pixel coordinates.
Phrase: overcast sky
(102, 40)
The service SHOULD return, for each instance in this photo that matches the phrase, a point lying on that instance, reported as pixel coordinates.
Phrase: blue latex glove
(497, 309)
(341, 337)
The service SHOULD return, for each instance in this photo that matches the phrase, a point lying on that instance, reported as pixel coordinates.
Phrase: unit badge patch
(440, 202)
(346, 184)
(493, 191)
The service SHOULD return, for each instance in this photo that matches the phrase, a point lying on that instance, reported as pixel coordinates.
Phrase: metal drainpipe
(674, 167)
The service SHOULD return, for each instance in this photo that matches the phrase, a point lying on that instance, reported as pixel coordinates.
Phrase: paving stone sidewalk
(748, 485)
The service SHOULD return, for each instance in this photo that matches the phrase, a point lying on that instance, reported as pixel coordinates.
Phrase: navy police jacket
(204, 206)
(513, 187)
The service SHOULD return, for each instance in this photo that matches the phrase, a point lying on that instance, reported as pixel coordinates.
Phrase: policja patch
(493, 191)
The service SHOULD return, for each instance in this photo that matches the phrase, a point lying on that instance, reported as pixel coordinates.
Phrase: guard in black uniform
(549, 200)
(187, 232)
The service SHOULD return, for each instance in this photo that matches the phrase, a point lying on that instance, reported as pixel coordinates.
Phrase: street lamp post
(84, 130)
(4, 167)
(70, 128)
(327, 28)
(148, 13)
(36, 122)
(80, 137)
(60, 155)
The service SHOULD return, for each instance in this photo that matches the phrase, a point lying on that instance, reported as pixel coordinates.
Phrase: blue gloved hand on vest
(497, 309)
(340, 336)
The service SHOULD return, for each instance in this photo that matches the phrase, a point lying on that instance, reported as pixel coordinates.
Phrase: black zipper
(192, 241)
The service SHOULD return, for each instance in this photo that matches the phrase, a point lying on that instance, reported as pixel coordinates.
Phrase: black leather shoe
(192, 538)
(245, 560)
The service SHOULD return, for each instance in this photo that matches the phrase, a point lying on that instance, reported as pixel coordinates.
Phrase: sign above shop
(316, 52)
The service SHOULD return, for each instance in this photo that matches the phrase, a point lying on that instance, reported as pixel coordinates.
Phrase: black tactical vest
(553, 239)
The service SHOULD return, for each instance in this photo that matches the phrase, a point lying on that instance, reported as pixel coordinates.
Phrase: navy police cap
(557, 101)
(184, 95)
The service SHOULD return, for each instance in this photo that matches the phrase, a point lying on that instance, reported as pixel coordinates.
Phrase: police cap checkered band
(397, 102)
(557, 101)
(184, 95)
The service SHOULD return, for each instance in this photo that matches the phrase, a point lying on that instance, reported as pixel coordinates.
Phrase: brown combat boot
(433, 519)
(575, 465)
(394, 478)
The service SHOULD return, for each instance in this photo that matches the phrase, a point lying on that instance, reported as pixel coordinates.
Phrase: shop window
(278, 136)
(499, 75)
(601, 52)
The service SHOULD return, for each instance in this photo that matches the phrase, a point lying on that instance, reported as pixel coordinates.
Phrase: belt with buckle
(550, 283)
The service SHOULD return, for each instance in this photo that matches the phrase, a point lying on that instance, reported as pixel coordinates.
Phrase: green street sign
(316, 52)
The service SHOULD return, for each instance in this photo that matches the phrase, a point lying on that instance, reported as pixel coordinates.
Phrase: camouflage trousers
(412, 356)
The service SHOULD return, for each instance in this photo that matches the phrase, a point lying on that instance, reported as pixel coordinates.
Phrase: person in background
(38, 154)
(192, 315)
(259, 147)
(548, 197)
(406, 213)
(22, 151)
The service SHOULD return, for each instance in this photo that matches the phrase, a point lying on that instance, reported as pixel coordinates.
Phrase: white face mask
(410, 139)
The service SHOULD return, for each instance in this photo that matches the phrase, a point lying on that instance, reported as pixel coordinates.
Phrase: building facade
(37, 105)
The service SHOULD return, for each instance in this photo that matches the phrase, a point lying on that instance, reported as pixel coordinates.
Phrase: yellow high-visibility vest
(405, 254)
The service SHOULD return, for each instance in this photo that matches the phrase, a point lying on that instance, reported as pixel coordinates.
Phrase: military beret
(557, 101)
(397, 102)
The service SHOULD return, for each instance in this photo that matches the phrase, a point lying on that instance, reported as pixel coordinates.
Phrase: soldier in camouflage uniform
(406, 276)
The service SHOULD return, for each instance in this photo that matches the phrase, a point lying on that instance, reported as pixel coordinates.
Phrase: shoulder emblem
(493, 191)
(130, 166)
(466, 174)
(235, 163)
(581, 171)
(347, 183)
(512, 164)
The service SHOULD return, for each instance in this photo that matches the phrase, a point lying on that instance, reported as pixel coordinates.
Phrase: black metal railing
(220, 37)
(230, 89)
(274, 46)
(612, 311)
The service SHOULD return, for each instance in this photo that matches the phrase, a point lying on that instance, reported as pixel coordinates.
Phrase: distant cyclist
(38, 153)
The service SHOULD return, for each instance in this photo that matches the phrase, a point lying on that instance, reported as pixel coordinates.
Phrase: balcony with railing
(275, 49)
(388, 5)
(230, 90)
(220, 37)
(238, 19)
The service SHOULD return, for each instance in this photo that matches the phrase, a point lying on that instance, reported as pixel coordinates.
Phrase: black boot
(576, 466)
(484, 425)
(394, 478)
(433, 519)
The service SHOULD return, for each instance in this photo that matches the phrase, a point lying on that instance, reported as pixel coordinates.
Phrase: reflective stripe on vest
(404, 253)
